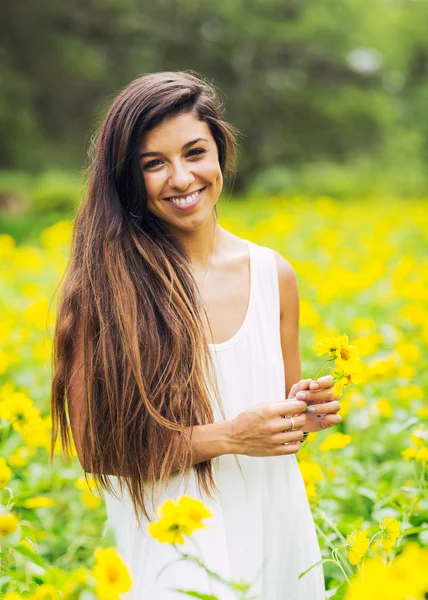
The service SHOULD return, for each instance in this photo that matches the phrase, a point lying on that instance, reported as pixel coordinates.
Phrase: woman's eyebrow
(186, 145)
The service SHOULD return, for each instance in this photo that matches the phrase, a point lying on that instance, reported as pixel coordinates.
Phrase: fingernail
(314, 385)
(310, 409)
(301, 395)
(319, 416)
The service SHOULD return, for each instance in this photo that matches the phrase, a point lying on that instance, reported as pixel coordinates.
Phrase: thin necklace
(206, 276)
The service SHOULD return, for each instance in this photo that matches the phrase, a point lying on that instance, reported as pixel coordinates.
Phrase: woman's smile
(188, 202)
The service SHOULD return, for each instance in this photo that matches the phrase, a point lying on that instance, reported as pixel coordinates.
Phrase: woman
(176, 349)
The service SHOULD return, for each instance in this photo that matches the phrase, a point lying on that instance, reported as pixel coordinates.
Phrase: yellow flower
(384, 408)
(311, 473)
(178, 519)
(408, 352)
(406, 371)
(328, 345)
(112, 576)
(411, 392)
(351, 368)
(409, 453)
(335, 441)
(46, 592)
(38, 502)
(85, 484)
(8, 524)
(5, 473)
(19, 410)
(56, 235)
(21, 456)
(337, 347)
(368, 344)
(404, 579)
(357, 545)
(91, 500)
(390, 532)
(418, 436)
(422, 413)
(13, 596)
(422, 455)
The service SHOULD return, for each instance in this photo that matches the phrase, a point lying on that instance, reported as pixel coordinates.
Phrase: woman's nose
(180, 177)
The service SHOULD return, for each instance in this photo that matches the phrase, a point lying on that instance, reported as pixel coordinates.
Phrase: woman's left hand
(322, 403)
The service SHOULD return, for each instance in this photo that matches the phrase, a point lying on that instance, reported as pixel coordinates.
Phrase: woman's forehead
(175, 131)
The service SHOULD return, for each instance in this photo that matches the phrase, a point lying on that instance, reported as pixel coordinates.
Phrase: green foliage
(315, 82)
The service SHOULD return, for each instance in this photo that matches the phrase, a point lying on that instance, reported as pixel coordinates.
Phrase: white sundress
(262, 530)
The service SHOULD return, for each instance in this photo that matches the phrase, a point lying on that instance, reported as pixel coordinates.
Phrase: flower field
(362, 268)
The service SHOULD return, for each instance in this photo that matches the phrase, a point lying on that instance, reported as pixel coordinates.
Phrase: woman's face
(177, 168)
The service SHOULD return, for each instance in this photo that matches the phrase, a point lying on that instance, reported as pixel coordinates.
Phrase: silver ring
(292, 423)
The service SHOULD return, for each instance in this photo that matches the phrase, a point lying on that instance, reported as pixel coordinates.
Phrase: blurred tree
(304, 80)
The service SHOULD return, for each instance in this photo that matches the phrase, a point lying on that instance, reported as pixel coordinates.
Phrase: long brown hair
(128, 293)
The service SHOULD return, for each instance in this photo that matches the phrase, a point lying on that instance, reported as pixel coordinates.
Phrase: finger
(292, 448)
(316, 396)
(322, 382)
(329, 421)
(303, 384)
(290, 407)
(282, 424)
(288, 436)
(327, 408)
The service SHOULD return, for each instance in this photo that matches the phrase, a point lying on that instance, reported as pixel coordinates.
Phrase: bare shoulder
(288, 289)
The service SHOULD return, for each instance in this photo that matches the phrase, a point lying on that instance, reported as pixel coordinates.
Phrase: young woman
(176, 352)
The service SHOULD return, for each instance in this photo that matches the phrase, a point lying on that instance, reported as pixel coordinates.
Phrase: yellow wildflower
(408, 352)
(404, 579)
(384, 408)
(111, 574)
(368, 344)
(46, 591)
(338, 386)
(337, 347)
(406, 371)
(8, 524)
(390, 532)
(21, 456)
(418, 436)
(311, 473)
(38, 502)
(410, 392)
(357, 544)
(5, 473)
(19, 410)
(91, 500)
(409, 453)
(422, 413)
(422, 455)
(335, 441)
(178, 519)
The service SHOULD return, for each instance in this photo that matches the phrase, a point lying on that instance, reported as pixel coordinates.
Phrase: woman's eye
(198, 150)
(152, 163)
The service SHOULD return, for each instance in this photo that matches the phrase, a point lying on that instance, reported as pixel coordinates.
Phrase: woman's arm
(289, 321)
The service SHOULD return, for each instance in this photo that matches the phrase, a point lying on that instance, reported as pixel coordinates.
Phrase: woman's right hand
(262, 430)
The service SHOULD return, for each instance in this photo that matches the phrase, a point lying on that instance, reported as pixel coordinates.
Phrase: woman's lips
(191, 204)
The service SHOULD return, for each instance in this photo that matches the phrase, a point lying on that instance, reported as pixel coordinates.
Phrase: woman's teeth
(186, 200)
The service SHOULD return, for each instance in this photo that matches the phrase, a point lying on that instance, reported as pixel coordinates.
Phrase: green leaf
(35, 558)
(194, 594)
